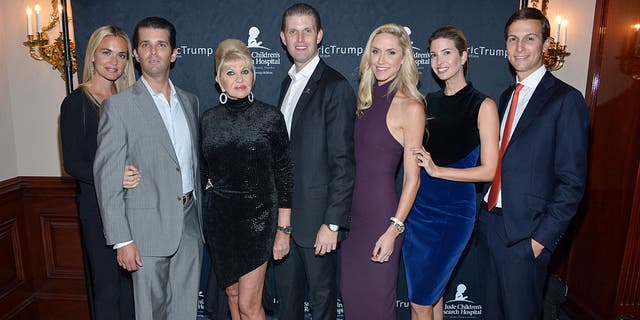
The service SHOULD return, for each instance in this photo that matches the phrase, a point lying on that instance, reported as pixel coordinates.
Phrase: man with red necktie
(540, 178)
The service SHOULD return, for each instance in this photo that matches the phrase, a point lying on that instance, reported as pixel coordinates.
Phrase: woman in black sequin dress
(245, 159)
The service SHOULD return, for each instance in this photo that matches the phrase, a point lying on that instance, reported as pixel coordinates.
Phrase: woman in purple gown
(391, 121)
(463, 125)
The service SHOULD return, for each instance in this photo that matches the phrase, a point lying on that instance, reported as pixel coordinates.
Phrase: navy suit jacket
(544, 167)
(322, 153)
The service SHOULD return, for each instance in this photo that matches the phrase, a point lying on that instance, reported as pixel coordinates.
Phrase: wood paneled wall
(603, 265)
(41, 269)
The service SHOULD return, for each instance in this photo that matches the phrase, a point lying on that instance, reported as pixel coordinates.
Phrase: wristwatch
(285, 229)
(333, 227)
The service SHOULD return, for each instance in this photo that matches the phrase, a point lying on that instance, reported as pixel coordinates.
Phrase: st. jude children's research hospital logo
(264, 59)
(461, 306)
(421, 57)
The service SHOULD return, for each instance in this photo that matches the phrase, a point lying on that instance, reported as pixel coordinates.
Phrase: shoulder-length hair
(128, 77)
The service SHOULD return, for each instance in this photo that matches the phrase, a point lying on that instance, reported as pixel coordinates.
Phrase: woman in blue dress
(463, 126)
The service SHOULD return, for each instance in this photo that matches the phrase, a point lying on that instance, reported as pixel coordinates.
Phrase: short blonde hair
(128, 77)
(406, 81)
(231, 49)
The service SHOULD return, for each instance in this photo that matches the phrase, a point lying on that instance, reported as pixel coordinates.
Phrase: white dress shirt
(175, 121)
(299, 80)
(530, 84)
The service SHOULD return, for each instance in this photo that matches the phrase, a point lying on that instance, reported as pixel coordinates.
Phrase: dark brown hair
(454, 34)
(155, 23)
(529, 14)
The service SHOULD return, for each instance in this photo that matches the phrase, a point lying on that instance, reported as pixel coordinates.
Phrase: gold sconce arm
(543, 7)
(41, 50)
(554, 56)
(53, 17)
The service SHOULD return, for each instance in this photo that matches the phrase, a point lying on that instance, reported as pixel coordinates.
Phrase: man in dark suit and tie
(540, 177)
(155, 227)
(319, 109)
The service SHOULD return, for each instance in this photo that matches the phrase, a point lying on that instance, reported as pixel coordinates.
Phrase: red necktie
(506, 135)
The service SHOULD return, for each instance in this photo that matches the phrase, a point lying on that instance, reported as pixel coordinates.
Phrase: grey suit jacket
(131, 131)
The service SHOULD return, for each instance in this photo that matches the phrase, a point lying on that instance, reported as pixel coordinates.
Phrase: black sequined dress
(245, 155)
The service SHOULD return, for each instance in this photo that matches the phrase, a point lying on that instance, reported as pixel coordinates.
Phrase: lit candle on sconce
(636, 40)
(29, 27)
(564, 37)
(41, 48)
(558, 25)
(38, 25)
(60, 17)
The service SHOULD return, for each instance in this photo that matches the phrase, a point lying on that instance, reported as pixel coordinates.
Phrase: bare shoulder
(414, 107)
(488, 103)
(410, 107)
(488, 109)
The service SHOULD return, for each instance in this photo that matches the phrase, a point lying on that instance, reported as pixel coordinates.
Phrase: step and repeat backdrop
(201, 25)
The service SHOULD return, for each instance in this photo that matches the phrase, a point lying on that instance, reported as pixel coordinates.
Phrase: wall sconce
(554, 56)
(541, 6)
(631, 58)
(38, 43)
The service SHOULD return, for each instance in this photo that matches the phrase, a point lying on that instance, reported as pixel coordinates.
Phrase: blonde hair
(127, 78)
(406, 81)
(231, 49)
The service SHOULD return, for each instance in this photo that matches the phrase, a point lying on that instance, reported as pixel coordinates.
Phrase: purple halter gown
(369, 288)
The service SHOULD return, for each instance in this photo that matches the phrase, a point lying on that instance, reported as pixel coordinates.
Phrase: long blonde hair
(128, 77)
(407, 78)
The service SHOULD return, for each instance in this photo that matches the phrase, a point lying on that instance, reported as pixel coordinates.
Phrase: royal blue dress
(443, 215)
(369, 288)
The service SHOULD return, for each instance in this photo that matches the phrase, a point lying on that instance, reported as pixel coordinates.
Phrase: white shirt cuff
(121, 244)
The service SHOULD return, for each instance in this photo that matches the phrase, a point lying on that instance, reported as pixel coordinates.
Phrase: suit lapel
(283, 90)
(504, 100)
(147, 106)
(308, 91)
(536, 104)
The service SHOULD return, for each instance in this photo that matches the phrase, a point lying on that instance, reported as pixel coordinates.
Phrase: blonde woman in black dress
(245, 159)
(108, 69)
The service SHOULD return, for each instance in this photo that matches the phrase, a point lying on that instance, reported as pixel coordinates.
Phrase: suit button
(179, 198)
(178, 169)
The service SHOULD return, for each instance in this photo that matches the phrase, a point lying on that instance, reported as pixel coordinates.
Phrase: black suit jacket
(544, 167)
(322, 153)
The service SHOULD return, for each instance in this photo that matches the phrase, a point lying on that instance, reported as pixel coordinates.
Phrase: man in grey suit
(155, 227)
